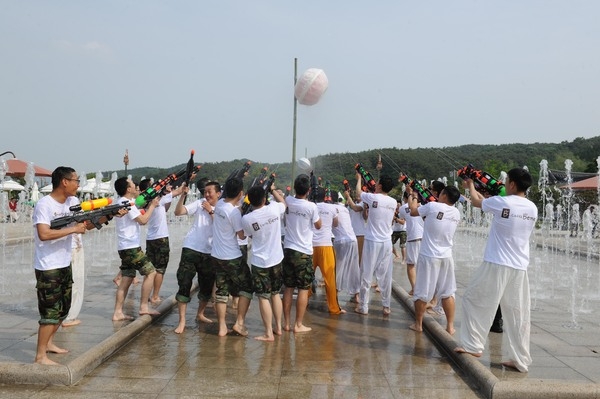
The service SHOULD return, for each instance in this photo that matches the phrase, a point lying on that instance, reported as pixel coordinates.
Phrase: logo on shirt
(440, 216)
(374, 204)
(505, 213)
(255, 226)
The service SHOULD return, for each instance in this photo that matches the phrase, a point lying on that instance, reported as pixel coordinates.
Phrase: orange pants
(324, 258)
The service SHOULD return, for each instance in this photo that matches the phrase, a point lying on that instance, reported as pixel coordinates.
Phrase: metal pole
(294, 126)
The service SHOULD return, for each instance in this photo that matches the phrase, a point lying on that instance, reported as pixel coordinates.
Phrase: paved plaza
(345, 356)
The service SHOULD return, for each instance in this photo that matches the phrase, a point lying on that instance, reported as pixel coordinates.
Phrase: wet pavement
(345, 356)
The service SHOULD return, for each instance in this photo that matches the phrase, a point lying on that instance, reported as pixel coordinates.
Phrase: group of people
(290, 237)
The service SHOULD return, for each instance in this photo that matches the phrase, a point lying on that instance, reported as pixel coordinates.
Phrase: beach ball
(303, 164)
(311, 86)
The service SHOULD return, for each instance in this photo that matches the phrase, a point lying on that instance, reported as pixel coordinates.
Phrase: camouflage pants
(158, 253)
(54, 294)
(192, 263)
(298, 271)
(134, 259)
(232, 277)
(267, 281)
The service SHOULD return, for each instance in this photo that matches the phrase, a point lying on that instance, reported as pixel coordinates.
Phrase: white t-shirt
(441, 221)
(157, 224)
(264, 226)
(381, 216)
(399, 226)
(300, 217)
(343, 232)
(128, 230)
(54, 254)
(200, 236)
(513, 222)
(359, 224)
(227, 221)
(322, 237)
(414, 224)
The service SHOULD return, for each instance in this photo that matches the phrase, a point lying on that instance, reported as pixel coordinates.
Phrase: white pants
(412, 251)
(347, 273)
(377, 259)
(435, 277)
(77, 265)
(491, 285)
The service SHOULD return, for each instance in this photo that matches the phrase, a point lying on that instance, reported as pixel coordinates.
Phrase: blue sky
(81, 81)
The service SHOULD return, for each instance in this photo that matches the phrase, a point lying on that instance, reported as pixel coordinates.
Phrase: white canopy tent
(11, 185)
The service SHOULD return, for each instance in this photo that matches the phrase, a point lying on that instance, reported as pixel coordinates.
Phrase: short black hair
(302, 184)
(60, 173)
(521, 177)
(437, 187)
(452, 193)
(121, 185)
(233, 187)
(387, 183)
(256, 195)
(144, 184)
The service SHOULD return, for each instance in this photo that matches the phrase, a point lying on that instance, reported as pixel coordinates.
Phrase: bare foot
(450, 331)
(46, 361)
(156, 301)
(458, 349)
(302, 329)
(278, 331)
(265, 338)
(71, 323)
(377, 289)
(224, 332)
(121, 317)
(180, 328)
(241, 330)
(414, 327)
(359, 311)
(342, 311)
(55, 349)
(151, 312)
(387, 311)
(202, 318)
(286, 327)
(410, 293)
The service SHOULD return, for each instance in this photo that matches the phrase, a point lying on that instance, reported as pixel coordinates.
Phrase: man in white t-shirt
(263, 226)
(157, 238)
(133, 259)
(414, 235)
(502, 277)
(52, 259)
(377, 258)
(435, 266)
(232, 274)
(298, 273)
(195, 252)
(347, 269)
(323, 253)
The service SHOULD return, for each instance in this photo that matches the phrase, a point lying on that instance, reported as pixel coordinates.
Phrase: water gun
(187, 173)
(266, 185)
(346, 184)
(238, 173)
(328, 198)
(424, 194)
(156, 189)
(258, 181)
(314, 186)
(91, 205)
(93, 216)
(369, 182)
(484, 182)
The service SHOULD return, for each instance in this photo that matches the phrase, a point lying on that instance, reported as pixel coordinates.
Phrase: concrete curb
(72, 372)
(489, 385)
